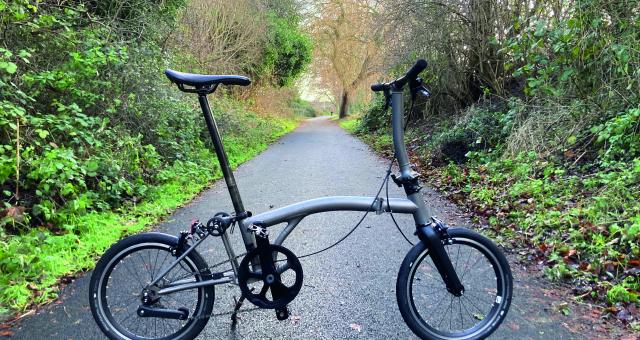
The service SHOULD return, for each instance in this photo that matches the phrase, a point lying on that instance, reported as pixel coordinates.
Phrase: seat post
(222, 155)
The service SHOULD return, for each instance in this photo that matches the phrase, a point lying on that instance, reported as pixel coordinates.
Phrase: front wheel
(127, 269)
(432, 312)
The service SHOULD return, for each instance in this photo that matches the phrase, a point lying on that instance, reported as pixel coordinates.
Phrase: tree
(254, 37)
(287, 51)
(348, 46)
(223, 36)
(461, 40)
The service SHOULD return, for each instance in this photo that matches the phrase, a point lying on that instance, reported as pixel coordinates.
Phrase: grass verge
(35, 265)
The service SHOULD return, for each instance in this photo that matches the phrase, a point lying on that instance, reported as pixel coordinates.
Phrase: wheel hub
(149, 297)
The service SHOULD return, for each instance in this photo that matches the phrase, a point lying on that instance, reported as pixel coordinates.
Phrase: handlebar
(412, 74)
(399, 83)
(379, 87)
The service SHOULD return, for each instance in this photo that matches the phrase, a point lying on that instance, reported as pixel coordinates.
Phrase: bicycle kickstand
(239, 302)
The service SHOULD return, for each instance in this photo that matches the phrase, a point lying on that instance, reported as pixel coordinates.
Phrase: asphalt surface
(349, 291)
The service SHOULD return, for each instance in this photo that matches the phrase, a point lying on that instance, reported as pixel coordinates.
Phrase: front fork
(434, 235)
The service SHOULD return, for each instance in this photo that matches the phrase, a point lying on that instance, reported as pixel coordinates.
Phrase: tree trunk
(344, 105)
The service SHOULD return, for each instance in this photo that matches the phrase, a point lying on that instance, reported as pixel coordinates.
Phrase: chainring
(269, 283)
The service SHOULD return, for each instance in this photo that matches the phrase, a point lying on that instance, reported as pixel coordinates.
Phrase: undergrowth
(36, 263)
(579, 228)
(95, 143)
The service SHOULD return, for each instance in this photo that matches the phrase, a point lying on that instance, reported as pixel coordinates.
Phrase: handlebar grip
(418, 67)
(412, 74)
(379, 87)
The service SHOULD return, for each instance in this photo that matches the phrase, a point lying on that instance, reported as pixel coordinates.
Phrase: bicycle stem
(408, 178)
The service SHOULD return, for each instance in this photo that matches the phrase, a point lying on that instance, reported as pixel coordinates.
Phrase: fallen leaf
(295, 319)
(6, 333)
(356, 327)
(563, 308)
(611, 309)
(629, 337)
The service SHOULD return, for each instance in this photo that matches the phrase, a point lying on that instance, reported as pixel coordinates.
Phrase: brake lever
(424, 91)
(417, 86)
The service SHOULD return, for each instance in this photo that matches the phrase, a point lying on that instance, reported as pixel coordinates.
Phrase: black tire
(408, 284)
(110, 272)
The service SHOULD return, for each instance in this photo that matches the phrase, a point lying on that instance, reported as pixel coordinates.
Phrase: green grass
(380, 142)
(33, 263)
(350, 123)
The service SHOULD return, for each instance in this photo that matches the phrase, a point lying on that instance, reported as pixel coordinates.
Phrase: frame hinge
(411, 184)
(378, 205)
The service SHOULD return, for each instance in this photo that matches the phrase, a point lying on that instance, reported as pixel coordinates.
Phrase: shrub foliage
(89, 125)
(547, 153)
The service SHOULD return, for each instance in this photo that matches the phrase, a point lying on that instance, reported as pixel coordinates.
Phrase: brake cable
(406, 124)
(385, 183)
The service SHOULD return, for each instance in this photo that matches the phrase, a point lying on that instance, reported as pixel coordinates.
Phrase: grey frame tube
(324, 204)
(294, 213)
(397, 122)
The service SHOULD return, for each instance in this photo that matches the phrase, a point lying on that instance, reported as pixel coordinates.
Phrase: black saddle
(202, 80)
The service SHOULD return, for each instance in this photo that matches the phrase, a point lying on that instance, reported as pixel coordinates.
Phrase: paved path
(353, 283)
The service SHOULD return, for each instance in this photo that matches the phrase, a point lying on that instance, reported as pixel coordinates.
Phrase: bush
(619, 137)
(287, 51)
(376, 116)
(302, 108)
(478, 129)
(89, 126)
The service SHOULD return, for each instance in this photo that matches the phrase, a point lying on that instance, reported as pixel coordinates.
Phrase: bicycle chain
(206, 268)
(213, 315)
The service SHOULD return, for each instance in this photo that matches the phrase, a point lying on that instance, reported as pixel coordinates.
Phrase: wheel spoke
(155, 263)
(467, 269)
(461, 317)
(473, 309)
(474, 305)
(121, 294)
(145, 267)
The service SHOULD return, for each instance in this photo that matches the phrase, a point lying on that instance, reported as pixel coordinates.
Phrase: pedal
(282, 313)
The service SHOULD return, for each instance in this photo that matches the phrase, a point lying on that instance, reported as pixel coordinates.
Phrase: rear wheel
(127, 268)
(432, 312)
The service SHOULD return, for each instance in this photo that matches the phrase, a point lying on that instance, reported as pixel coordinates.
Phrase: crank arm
(149, 312)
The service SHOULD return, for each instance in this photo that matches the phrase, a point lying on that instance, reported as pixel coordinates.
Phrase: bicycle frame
(294, 213)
